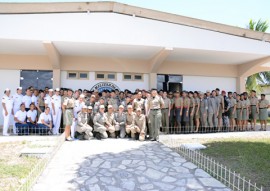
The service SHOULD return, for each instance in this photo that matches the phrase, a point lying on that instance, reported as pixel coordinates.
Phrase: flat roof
(120, 8)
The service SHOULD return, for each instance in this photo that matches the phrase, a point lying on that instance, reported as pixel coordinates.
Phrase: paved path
(115, 165)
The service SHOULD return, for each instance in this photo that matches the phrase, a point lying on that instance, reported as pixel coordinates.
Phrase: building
(79, 45)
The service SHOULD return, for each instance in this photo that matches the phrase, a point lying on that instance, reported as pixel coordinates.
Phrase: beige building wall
(91, 64)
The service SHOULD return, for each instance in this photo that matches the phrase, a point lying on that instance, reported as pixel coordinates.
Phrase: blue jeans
(22, 129)
(43, 129)
(32, 128)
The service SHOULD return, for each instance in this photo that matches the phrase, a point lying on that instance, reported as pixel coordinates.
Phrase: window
(105, 76)
(133, 77)
(111, 76)
(77, 75)
(83, 75)
(127, 77)
(72, 75)
(137, 77)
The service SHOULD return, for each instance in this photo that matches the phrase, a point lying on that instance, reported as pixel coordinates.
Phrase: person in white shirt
(56, 111)
(32, 119)
(48, 100)
(17, 101)
(45, 122)
(35, 97)
(77, 108)
(7, 104)
(20, 119)
(27, 99)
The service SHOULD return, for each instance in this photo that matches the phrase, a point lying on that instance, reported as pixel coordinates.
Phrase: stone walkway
(122, 165)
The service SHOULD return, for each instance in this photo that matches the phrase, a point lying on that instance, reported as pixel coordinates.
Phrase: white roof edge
(120, 8)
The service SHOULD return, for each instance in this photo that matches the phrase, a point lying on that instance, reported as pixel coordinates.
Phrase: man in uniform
(57, 112)
(99, 124)
(67, 107)
(191, 111)
(155, 103)
(82, 125)
(139, 124)
(165, 111)
(263, 114)
(97, 104)
(185, 112)
(110, 122)
(17, 101)
(221, 108)
(27, 99)
(172, 111)
(7, 104)
(254, 107)
(213, 110)
(77, 108)
(232, 111)
(21, 125)
(178, 108)
(90, 116)
(203, 111)
(197, 111)
(113, 101)
(130, 117)
(138, 102)
(120, 119)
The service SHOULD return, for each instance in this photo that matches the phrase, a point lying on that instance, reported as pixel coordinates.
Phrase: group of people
(139, 115)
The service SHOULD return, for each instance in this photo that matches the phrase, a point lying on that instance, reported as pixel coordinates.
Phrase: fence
(39, 167)
(225, 175)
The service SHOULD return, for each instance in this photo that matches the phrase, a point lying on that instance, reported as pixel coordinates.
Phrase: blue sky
(231, 12)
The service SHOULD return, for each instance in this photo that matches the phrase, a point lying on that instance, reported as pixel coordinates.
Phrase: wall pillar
(240, 84)
(56, 78)
(152, 80)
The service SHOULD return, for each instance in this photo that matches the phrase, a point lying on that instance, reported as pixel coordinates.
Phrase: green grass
(249, 157)
(17, 170)
(13, 168)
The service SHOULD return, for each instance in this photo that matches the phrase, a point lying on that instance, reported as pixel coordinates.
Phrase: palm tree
(255, 81)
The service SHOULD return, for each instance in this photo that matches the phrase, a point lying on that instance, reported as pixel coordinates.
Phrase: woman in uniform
(68, 105)
(263, 114)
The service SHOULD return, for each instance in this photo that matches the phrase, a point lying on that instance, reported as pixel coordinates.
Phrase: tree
(255, 81)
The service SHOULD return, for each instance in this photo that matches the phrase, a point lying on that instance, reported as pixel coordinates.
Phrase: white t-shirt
(17, 101)
(46, 118)
(32, 115)
(27, 100)
(34, 99)
(20, 115)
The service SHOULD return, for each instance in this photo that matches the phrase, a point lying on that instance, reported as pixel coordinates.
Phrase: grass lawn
(249, 157)
(13, 168)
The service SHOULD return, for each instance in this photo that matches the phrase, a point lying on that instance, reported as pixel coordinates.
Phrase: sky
(230, 12)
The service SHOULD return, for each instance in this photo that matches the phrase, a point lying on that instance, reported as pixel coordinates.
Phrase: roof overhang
(79, 7)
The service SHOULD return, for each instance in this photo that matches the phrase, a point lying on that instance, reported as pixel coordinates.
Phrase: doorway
(169, 82)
